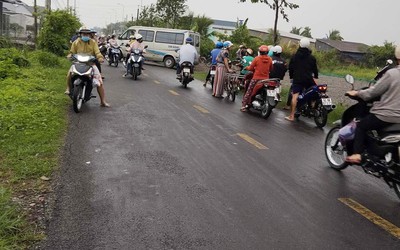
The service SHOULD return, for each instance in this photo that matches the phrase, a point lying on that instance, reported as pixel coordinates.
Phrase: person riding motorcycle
(214, 53)
(85, 45)
(384, 112)
(136, 43)
(187, 53)
(261, 66)
(280, 66)
(246, 61)
(112, 44)
(302, 68)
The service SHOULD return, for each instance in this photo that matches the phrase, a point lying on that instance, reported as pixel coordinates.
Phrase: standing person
(261, 66)
(222, 68)
(187, 53)
(214, 53)
(85, 45)
(383, 113)
(302, 67)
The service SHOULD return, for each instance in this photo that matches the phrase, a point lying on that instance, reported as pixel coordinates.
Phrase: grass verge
(32, 127)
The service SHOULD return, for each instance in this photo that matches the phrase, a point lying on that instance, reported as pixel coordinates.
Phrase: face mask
(85, 38)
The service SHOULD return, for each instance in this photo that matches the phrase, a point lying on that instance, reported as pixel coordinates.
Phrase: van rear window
(169, 37)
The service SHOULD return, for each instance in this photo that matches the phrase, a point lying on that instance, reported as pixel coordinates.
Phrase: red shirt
(261, 66)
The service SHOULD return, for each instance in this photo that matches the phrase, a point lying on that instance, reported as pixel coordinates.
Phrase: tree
(278, 6)
(170, 11)
(296, 30)
(57, 29)
(186, 22)
(334, 35)
(201, 24)
(149, 17)
(306, 32)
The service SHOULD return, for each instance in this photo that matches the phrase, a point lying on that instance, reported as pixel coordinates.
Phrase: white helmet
(277, 49)
(138, 36)
(397, 52)
(304, 43)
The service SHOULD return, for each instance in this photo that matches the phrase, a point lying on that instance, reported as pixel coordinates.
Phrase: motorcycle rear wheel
(116, 61)
(77, 98)
(336, 158)
(231, 93)
(267, 110)
(322, 117)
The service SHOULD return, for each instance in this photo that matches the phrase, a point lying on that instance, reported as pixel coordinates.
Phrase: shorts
(296, 88)
(97, 81)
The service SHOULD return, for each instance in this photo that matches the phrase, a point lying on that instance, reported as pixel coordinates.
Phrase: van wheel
(169, 62)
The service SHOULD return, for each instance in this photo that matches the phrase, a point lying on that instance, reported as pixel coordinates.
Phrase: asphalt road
(168, 168)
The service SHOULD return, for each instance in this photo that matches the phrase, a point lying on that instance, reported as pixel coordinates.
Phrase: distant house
(349, 51)
(284, 37)
(223, 27)
(16, 18)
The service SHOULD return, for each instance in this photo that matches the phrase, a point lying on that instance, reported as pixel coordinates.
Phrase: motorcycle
(381, 157)
(315, 96)
(134, 62)
(103, 49)
(213, 69)
(265, 96)
(186, 73)
(114, 56)
(82, 80)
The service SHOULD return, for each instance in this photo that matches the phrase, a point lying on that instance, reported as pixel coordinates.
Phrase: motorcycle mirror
(389, 62)
(146, 47)
(349, 78)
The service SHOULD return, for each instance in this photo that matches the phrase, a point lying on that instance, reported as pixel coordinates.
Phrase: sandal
(243, 109)
(288, 119)
(105, 105)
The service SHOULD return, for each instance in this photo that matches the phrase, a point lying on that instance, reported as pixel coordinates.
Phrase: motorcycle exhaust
(333, 106)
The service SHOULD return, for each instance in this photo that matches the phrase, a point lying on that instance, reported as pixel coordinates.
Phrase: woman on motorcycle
(384, 112)
(222, 68)
(261, 66)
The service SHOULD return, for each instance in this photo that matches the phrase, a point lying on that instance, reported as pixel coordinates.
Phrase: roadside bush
(14, 56)
(206, 46)
(377, 55)
(4, 42)
(45, 59)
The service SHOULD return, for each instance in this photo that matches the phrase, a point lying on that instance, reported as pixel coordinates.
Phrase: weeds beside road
(32, 127)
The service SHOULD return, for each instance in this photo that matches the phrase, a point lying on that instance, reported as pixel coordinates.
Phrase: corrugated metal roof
(345, 46)
(224, 23)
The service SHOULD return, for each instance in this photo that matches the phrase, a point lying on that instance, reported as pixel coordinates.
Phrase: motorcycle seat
(391, 129)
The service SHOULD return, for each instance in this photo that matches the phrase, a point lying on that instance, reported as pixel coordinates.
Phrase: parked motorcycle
(82, 80)
(213, 69)
(315, 103)
(381, 156)
(134, 62)
(186, 73)
(114, 56)
(265, 96)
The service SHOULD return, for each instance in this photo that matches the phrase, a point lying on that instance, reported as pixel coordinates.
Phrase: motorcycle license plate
(136, 65)
(271, 92)
(186, 70)
(326, 101)
(116, 51)
(212, 72)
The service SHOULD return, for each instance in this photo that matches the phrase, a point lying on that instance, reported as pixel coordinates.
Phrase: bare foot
(355, 158)
(105, 105)
(288, 118)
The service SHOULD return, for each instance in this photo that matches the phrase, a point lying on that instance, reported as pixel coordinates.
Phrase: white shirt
(187, 53)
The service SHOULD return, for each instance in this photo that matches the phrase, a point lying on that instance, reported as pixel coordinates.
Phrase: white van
(162, 43)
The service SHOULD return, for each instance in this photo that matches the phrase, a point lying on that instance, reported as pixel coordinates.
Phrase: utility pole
(74, 7)
(48, 5)
(68, 9)
(35, 15)
(1, 18)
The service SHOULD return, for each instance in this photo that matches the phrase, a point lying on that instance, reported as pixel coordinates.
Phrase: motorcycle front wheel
(322, 117)
(116, 61)
(267, 109)
(77, 98)
(335, 152)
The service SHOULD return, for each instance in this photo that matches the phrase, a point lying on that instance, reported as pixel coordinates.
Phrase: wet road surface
(173, 168)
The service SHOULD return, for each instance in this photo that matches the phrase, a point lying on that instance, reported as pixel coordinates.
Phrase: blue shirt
(214, 54)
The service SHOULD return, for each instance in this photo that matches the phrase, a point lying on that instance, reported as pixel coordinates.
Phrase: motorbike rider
(280, 66)
(137, 43)
(187, 53)
(383, 112)
(85, 45)
(222, 68)
(302, 68)
(112, 44)
(132, 39)
(214, 53)
(261, 66)
(240, 53)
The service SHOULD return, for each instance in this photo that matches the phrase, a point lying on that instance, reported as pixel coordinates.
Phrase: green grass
(365, 74)
(199, 75)
(32, 127)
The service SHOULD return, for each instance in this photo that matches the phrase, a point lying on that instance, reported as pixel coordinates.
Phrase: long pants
(370, 122)
(98, 65)
(247, 97)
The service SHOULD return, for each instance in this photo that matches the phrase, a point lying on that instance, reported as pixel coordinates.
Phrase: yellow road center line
(251, 141)
(173, 92)
(371, 216)
(157, 82)
(201, 109)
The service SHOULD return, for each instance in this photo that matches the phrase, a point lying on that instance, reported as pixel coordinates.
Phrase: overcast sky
(366, 21)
